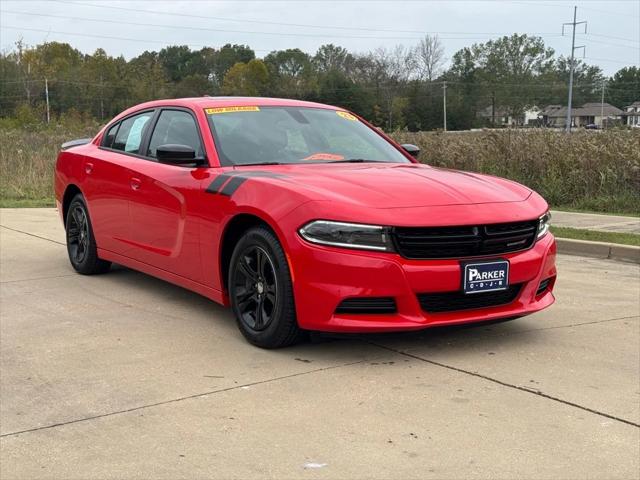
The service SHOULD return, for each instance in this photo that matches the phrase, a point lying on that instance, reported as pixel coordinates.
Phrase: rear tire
(261, 291)
(81, 244)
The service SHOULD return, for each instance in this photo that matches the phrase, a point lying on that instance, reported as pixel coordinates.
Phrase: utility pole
(101, 98)
(572, 64)
(46, 93)
(444, 103)
(493, 109)
(389, 107)
(28, 83)
(602, 107)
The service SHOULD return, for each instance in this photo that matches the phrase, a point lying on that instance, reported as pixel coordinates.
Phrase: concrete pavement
(126, 376)
(595, 221)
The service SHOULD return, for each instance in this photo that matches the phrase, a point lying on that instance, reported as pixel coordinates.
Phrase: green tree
(177, 61)
(624, 87)
(250, 79)
(193, 86)
(291, 72)
(504, 71)
(146, 78)
(332, 58)
(587, 83)
(337, 89)
(225, 58)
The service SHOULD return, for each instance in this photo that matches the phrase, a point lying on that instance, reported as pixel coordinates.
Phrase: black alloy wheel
(81, 245)
(261, 290)
(255, 288)
(78, 234)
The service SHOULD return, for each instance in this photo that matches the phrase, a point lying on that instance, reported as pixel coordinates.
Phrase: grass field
(27, 158)
(596, 236)
(584, 171)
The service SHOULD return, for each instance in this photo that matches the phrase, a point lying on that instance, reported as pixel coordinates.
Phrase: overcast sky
(130, 27)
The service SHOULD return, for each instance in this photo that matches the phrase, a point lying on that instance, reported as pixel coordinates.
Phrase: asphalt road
(125, 376)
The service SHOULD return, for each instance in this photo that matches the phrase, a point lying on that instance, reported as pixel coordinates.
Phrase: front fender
(259, 197)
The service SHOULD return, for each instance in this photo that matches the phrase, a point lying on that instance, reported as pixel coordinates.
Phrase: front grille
(543, 286)
(368, 305)
(454, 301)
(464, 241)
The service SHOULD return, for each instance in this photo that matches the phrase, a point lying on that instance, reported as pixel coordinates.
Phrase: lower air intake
(368, 305)
(544, 284)
(455, 301)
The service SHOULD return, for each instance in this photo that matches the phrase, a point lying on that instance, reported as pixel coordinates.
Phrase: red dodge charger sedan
(301, 217)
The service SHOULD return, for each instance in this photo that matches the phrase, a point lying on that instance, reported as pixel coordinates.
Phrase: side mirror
(177, 154)
(411, 149)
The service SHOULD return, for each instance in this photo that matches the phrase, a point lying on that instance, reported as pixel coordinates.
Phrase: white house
(632, 113)
(504, 119)
(600, 114)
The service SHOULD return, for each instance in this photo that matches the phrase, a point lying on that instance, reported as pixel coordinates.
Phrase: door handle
(88, 167)
(135, 183)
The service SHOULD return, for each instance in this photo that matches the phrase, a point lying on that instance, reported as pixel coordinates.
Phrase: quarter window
(131, 132)
(175, 127)
(110, 136)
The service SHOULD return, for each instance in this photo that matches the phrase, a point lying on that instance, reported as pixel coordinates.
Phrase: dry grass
(597, 171)
(585, 170)
(27, 158)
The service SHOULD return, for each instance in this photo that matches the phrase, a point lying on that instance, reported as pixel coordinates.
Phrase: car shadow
(481, 336)
(487, 334)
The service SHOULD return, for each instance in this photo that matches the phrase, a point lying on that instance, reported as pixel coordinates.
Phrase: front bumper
(324, 276)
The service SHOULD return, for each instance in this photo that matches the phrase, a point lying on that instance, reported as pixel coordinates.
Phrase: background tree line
(395, 88)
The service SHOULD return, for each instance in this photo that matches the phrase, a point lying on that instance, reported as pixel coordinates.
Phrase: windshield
(256, 135)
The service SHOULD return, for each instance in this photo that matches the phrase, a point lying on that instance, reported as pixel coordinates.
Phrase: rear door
(107, 182)
(164, 226)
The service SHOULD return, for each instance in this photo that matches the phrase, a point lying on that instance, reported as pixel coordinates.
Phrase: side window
(175, 127)
(130, 133)
(110, 136)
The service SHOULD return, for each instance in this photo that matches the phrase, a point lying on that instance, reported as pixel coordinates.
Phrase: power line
(251, 32)
(182, 27)
(543, 85)
(600, 42)
(108, 37)
(606, 12)
(164, 42)
(265, 22)
(613, 37)
(630, 64)
(385, 90)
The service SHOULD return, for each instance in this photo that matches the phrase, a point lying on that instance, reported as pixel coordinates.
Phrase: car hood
(398, 185)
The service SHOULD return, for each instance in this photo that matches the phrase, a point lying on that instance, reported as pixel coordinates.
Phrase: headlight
(349, 235)
(543, 224)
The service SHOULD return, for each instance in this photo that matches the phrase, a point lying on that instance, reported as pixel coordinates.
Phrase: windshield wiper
(258, 163)
(358, 160)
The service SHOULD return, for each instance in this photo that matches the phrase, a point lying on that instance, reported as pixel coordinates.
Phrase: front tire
(81, 244)
(261, 291)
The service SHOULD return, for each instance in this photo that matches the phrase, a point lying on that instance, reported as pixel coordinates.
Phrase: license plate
(485, 276)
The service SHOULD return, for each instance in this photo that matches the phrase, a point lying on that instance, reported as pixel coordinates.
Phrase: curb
(613, 251)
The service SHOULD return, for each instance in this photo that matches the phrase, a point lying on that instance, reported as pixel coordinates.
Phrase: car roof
(212, 102)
